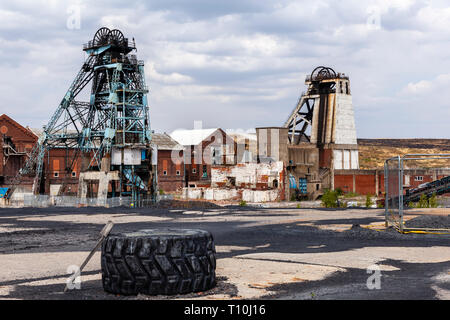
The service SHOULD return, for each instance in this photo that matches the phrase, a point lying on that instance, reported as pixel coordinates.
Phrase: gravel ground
(262, 253)
(435, 222)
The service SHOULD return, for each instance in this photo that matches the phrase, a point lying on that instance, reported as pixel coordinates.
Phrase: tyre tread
(151, 265)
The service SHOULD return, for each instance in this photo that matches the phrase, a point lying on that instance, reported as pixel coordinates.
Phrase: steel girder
(300, 120)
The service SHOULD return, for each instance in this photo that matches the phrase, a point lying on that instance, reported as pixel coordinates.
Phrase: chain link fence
(393, 187)
(417, 188)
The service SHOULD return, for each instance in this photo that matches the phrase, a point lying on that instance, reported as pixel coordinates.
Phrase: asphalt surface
(262, 253)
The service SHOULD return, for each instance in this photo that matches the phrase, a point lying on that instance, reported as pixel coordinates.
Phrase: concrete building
(247, 149)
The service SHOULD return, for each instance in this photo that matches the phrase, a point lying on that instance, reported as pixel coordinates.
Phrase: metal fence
(43, 201)
(410, 182)
(393, 187)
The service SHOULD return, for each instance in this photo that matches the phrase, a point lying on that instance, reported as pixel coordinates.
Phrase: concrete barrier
(258, 196)
(218, 194)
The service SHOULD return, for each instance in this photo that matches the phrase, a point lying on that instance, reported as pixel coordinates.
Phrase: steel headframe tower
(110, 133)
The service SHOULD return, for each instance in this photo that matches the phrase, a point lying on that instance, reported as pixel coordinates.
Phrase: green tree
(432, 202)
(423, 202)
(243, 203)
(330, 199)
(369, 202)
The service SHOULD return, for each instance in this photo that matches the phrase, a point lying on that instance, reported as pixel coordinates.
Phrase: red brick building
(59, 170)
(372, 181)
(205, 148)
(360, 181)
(16, 142)
(171, 171)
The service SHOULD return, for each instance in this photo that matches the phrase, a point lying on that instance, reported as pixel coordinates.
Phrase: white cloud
(172, 78)
(437, 85)
(420, 87)
(240, 64)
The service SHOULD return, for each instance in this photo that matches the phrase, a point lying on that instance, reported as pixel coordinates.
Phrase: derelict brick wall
(22, 139)
(365, 184)
(325, 158)
(344, 182)
(205, 157)
(171, 181)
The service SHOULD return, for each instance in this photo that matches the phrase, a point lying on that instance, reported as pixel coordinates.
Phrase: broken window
(231, 181)
(275, 183)
(216, 155)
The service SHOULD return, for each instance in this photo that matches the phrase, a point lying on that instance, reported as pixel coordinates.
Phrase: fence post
(386, 193)
(400, 191)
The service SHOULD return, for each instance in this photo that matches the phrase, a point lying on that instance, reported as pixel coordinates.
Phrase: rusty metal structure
(110, 134)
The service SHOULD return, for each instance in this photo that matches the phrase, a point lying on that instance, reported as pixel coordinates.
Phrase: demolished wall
(248, 175)
(250, 182)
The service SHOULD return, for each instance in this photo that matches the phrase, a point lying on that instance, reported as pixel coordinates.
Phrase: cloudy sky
(240, 64)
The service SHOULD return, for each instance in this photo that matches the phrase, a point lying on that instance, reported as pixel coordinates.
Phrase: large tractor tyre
(158, 261)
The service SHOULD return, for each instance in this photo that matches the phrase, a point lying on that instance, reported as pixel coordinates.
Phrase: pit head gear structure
(110, 132)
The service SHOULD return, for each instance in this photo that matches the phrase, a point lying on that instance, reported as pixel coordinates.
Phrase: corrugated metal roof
(192, 137)
(165, 142)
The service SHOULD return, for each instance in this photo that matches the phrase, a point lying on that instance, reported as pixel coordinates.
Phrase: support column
(103, 183)
(377, 182)
(354, 183)
(82, 187)
(1, 156)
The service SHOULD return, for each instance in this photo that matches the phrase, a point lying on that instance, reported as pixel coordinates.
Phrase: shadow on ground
(412, 281)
